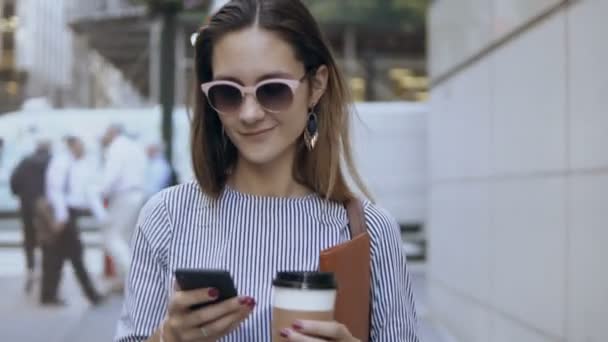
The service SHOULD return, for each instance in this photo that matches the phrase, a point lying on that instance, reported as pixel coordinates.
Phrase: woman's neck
(274, 179)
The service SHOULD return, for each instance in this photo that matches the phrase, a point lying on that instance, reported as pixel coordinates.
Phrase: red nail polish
(251, 302)
(285, 333)
(297, 326)
(214, 293)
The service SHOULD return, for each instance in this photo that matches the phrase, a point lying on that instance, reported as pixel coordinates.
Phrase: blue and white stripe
(254, 237)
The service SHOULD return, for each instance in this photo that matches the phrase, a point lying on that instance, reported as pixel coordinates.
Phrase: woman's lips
(257, 133)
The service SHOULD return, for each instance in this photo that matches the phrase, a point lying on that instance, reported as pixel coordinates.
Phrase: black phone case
(192, 279)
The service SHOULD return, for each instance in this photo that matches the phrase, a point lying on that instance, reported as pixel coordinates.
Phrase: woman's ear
(319, 85)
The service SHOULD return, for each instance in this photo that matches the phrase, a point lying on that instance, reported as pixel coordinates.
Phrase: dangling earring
(311, 133)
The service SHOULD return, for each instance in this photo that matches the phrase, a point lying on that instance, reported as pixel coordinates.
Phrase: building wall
(60, 65)
(44, 46)
(519, 169)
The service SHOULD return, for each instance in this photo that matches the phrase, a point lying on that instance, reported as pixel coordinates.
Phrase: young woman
(269, 132)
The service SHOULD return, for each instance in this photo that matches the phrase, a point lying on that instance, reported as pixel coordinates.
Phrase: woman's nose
(251, 111)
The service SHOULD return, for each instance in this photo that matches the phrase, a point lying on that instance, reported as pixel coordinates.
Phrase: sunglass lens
(225, 98)
(275, 96)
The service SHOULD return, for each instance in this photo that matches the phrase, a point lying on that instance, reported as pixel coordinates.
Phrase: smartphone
(192, 279)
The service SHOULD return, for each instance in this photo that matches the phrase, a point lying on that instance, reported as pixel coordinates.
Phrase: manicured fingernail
(285, 333)
(214, 293)
(297, 326)
(250, 302)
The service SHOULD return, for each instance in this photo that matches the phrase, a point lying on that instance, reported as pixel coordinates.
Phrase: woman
(270, 128)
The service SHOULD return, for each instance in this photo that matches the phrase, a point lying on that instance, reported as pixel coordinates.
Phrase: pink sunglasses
(274, 95)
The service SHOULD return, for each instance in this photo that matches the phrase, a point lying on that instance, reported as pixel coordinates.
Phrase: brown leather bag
(350, 263)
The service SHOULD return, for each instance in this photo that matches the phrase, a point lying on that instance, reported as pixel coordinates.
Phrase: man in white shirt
(122, 184)
(67, 187)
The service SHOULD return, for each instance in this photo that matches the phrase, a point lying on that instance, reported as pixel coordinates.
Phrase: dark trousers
(29, 232)
(67, 245)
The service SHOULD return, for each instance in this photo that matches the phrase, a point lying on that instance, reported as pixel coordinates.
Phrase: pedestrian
(159, 173)
(67, 180)
(269, 140)
(123, 186)
(28, 183)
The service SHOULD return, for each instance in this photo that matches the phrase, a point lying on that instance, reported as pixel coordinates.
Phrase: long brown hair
(320, 169)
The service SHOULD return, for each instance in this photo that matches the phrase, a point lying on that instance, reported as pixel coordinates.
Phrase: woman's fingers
(214, 312)
(212, 321)
(303, 330)
(294, 336)
(220, 327)
(182, 300)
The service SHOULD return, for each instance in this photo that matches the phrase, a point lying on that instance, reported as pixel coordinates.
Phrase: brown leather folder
(350, 263)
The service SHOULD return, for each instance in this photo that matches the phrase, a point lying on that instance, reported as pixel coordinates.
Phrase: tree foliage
(407, 15)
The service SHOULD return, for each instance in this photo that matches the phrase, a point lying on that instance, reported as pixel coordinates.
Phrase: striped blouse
(253, 237)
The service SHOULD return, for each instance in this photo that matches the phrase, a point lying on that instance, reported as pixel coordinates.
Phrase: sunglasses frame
(252, 90)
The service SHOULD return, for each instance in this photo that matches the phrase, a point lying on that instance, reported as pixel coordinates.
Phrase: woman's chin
(262, 155)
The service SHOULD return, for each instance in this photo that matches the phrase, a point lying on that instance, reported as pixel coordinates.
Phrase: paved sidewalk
(23, 320)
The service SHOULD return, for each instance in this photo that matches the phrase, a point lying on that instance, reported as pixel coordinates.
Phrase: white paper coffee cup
(302, 296)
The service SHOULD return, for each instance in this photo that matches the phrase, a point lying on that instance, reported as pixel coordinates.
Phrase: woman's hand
(317, 331)
(206, 324)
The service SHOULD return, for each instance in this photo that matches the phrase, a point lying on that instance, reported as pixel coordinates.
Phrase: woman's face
(248, 57)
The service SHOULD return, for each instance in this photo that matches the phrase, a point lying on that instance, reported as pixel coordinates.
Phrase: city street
(477, 127)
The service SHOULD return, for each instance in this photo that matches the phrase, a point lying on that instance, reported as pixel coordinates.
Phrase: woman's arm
(393, 309)
(148, 283)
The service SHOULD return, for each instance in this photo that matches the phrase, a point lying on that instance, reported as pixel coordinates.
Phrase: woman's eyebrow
(276, 74)
(227, 78)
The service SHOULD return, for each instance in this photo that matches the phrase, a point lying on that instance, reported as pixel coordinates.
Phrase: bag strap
(358, 227)
(356, 217)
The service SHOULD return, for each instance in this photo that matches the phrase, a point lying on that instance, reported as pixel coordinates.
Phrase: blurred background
(481, 126)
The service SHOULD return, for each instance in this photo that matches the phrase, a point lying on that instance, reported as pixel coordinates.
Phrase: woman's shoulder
(381, 225)
(165, 207)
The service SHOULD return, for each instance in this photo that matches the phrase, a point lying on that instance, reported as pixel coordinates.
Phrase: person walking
(28, 183)
(67, 179)
(123, 186)
(159, 172)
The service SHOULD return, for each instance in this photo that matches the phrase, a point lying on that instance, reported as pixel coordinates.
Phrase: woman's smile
(258, 133)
